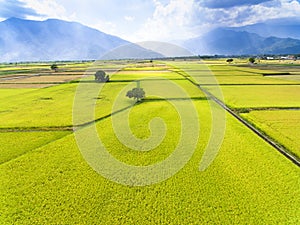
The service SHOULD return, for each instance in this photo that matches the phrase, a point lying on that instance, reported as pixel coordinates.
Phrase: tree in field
(54, 67)
(229, 60)
(137, 93)
(252, 60)
(101, 77)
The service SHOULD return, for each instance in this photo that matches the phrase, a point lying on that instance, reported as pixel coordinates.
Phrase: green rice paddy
(45, 179)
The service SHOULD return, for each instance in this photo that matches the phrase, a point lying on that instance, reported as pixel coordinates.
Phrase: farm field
(281, 125)
(46, 179)
(9, 150)
(247, 96)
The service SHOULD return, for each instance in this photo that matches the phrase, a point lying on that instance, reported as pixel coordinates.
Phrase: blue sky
(152, 20)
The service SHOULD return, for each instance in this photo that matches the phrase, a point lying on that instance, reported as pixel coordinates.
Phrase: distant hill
(52, 39)
(232, 42)
(282, 28)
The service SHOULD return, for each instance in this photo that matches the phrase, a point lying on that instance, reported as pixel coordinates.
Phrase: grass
(47, 180)
(288, 77)
(244, 80)
(281, 125)
(43, 79)
(137, 75)
(6, 93)
(42, 107)
(227, 74)
(247, 183)
(26, 86)
(247, 96)
(53, 106)
(13, 145)
(140, 117)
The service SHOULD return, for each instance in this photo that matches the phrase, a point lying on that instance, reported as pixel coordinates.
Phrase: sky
(152, 20)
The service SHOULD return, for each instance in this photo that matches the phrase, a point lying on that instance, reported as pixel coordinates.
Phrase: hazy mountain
(27, 40)
(166, 49)
(283, 28)
(230, 42)
(131, 51)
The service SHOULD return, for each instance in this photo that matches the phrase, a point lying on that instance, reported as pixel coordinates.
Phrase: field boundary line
(31, 150)
(253, 84)
(35, 129)
(250, 109)
(267, 139)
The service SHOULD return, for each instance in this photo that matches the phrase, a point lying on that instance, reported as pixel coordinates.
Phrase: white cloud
(104, 26)
(260, 13)
(229, 3)
(129, 18)
(179, 19)
(246, 14)
(164, 20)
(48, 8)
(169, 21)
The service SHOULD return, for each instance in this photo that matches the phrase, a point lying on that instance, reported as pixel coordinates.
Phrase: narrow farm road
(285, 152)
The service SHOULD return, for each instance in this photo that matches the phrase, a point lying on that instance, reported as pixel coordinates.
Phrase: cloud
(244, 14)
(165, 20)
(168, 22)
(214, 4)
(120, 18)
(47, 9)
(15, 8)
(129, 18)
(177, 19)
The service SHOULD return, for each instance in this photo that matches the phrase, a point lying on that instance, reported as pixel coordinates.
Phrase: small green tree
(252, 60)
(136, 93)
(101, 77)
(54, 67)
(229, 60)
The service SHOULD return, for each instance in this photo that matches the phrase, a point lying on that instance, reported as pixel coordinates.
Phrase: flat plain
(46, 180)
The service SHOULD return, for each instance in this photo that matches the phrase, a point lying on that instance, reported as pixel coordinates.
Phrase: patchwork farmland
(46, 178)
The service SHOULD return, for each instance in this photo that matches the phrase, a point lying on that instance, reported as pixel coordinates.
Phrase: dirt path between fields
(289, 155)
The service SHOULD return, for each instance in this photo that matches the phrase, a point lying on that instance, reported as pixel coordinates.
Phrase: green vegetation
(101, 77)
(229, 60)
(247, 96)
(252, 60)
(39, 108)
(136, 93)
(15, 144)
(54, 67)
(45, 179)
(7, 93)
(281, 125)
(67, 190)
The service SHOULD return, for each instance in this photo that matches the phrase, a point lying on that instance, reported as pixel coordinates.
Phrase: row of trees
(251, 60)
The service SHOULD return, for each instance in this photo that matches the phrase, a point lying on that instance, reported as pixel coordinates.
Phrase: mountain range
(282, 28)
(53, 39)
(228, 41)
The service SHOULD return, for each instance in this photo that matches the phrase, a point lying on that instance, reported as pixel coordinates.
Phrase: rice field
(47, 178)
(43, 79)
(249, 96)
(281, 125)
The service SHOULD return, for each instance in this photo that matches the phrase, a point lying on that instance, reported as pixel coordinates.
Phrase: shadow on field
(173, 99)
(79, 126)
(125, 81)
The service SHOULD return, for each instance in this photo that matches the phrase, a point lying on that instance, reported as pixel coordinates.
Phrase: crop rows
(45, 178)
